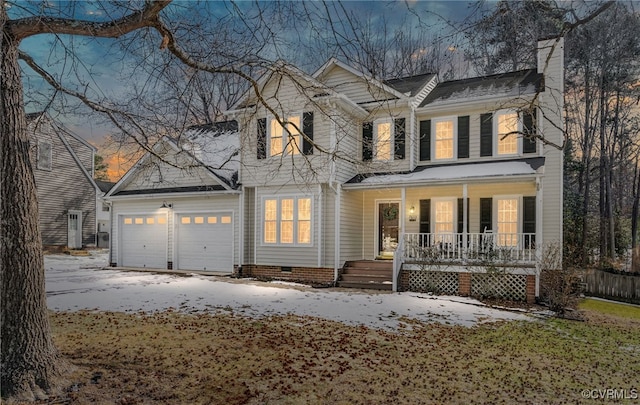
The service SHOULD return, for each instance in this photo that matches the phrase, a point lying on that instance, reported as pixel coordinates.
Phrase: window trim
(520, 212)
(496, 138)
(434, 144)
(392, 136)
(278, 220)
(297, 148)
(39, 164)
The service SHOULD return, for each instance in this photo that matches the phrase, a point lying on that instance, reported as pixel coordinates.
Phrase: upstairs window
(285, 139)
(383, 140)
(44, 157)
(507, 133)
(444, 139)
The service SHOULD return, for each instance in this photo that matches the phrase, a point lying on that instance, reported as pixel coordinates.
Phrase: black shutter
(307, 129)
(367, 141)
(425, 140)
(425, 216)
(262, 138)
(486, 210)
(486, 134)
(529, 129)
(463, 137)
(529, 221)
(399, 138)
(461, 215)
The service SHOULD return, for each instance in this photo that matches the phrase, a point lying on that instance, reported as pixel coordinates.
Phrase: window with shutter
(463, 137)
(529, 221)
(367, 141)
(425, 140)
(262, 138)
(486, 134)
(307, 129)
(399, 138)
(529, 130)
(425, 216)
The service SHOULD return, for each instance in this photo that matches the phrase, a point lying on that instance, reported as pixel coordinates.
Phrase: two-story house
(408, 183)
(63, 170)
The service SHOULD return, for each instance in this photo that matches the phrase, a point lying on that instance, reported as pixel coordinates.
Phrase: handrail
(514, 247)
(398, 258)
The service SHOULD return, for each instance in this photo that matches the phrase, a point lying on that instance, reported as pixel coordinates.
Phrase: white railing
(397, 264)
(468, 247)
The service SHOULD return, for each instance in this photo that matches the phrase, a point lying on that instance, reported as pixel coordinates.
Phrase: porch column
(465, 209)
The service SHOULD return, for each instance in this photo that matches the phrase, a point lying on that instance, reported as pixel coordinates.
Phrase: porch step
(367, 274)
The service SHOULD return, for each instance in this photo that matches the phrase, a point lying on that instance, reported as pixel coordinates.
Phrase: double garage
(202, 241)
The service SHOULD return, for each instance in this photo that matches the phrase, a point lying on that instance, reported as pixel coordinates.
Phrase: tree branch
(26, 27)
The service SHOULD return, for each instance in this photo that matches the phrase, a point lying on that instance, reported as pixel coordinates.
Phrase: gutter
(418, 183)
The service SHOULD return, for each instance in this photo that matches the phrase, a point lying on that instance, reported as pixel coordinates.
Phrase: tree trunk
(30, 365)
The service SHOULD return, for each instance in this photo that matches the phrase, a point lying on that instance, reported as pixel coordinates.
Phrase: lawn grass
(611, 308)
(171, 358)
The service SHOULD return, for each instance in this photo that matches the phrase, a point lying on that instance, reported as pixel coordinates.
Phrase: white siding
(351, 226)
(177, 170)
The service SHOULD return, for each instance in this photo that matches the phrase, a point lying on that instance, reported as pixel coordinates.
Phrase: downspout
(240, 232)
(337, 189)
(412, 137)
(465, 208)
(539, 229)
(320, 225)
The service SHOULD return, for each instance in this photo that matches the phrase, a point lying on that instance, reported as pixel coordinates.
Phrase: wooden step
(366, 270)
(366, 278)
(366, 286)
(370, 264)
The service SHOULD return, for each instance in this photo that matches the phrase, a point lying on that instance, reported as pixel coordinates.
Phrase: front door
(388, 228)
(74, 229)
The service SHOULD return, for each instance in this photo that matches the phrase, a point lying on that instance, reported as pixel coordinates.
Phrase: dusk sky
(99, 65)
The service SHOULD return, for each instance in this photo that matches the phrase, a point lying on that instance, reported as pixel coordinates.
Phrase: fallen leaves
(190, 359)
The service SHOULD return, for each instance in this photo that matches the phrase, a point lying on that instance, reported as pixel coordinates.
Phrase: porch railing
(469, 247)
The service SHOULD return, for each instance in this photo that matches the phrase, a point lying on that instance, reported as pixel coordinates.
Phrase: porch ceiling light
(166, 205)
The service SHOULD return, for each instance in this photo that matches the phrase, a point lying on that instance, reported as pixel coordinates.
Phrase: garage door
(144, 241)
(205, 241)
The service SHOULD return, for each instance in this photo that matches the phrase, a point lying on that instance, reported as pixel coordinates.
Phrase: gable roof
(333, 62)
(503, 84)
(216, 146)
(61, 133)
(213, 147)
(410, 85)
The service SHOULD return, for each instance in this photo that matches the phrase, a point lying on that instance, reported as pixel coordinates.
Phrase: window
(507, 221)
(287, 139)
(444, 139)
(382, 141)
(44, 156)
(287, 221)
(444, 215)
(507, 132)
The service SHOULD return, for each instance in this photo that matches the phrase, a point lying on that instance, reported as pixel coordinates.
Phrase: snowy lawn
(76, 283)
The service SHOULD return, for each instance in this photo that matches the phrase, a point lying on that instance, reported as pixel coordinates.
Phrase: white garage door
(205, 241)
(144, 241)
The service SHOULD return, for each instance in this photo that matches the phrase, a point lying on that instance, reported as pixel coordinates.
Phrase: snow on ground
(76, 282)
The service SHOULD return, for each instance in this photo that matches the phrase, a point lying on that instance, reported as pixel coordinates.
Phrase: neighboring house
(407, 183)
(63, 170)
(103, 213)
